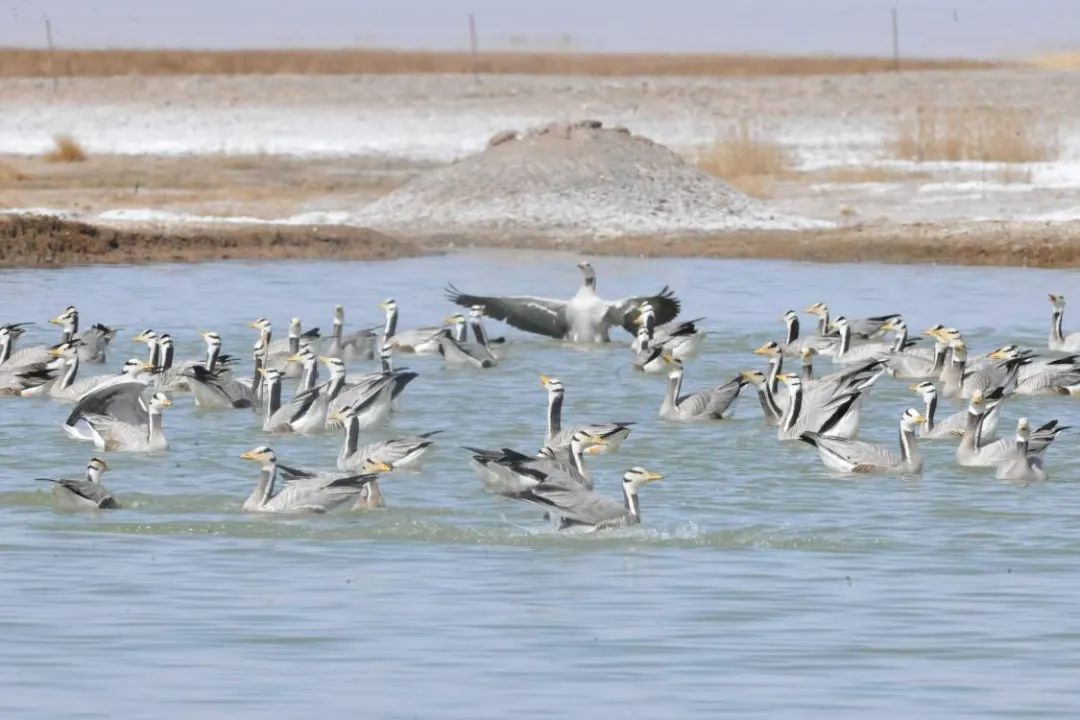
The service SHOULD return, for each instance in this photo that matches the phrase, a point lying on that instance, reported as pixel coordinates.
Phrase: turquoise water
(758, 585)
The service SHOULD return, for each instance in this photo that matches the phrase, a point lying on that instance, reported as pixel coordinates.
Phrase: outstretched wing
(118, 400)
(531, 314)
(624, 312)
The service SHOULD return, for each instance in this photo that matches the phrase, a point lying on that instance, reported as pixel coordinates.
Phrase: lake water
(759, 584)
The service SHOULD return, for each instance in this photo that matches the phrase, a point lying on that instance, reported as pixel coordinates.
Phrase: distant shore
(42, 241)
(17, 62)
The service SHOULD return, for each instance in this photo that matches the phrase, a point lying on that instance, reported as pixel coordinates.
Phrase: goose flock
(287, 394)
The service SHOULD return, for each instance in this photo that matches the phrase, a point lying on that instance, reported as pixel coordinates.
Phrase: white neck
(71, 368)
(633, 510)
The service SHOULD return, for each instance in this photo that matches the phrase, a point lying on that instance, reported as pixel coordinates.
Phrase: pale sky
(973, 28)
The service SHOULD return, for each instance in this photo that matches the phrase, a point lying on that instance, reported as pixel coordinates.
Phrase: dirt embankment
(36, 241)
(31, 241)
(1000, 244)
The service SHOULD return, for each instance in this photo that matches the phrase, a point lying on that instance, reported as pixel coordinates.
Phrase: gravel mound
(569, 179)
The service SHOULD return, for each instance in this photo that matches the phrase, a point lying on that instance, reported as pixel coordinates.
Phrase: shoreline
(70, 63)
(29, 241)
(32, 241)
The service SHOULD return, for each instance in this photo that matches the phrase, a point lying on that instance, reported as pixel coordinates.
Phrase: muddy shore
(37, 241)
(32, 241)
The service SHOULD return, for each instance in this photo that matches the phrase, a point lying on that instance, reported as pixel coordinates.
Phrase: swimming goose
(859, 376)
(918, 363)
(12, 360)
(214, 390)
(402, 453)
(359, 345)
(794, 345)
(28, 380)
(508, 472)
(84, 494)
(314, 495)
(278, 352)
(124, 399)
(279, 417)
(316, 400)
(69, 387)
(772, 410)
(838, 416)
(1059, 341)
(370, 496)
(95, 341)
(716, 403)
(960, 380)
(254, 384)
(308, 362)
(855, 456)
(579, 507)
(680, 339)
(159, 358)
(1024, 466)
(775, 363)
(972, 452)
(585, 318)
(495, 346)
(952, 427)
(420, 341)
(1041, 375)
(846, 353)
(462, 354)
(648, 358)
(557, 437)
(149, 338)
(861, 328)
(373, 396)
(110, 433)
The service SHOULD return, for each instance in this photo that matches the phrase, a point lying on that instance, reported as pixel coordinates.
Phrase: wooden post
(896, 38)
(52, 55)
(472, 44)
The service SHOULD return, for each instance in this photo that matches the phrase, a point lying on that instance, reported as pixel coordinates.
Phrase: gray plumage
(585, 318)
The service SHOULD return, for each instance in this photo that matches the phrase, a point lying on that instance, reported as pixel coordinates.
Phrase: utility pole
(472, 45)
(52, 55)
(896, 38)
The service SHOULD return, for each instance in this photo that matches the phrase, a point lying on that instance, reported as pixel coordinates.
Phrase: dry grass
(746, 161)
(66, 150)
(11, 174)
(853, 174)
(36, 63)
(1065, 60)
(986, 134)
